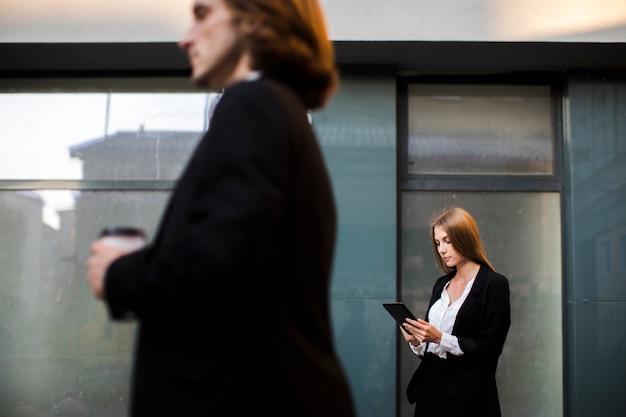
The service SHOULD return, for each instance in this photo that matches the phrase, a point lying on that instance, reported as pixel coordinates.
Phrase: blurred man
(232, 295)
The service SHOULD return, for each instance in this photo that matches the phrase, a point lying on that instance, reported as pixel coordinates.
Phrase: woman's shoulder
(492, 277)
(495, 275)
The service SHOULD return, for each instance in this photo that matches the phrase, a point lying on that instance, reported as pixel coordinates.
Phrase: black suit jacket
(232, 297)
(466, 385)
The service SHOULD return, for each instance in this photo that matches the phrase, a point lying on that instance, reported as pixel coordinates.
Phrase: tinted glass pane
(480, 129)
(83, 135)
(84, 360)
(598, 140)
(598, 205)
(598, 362)
(357, 133)
(59, 352)
(522, 237)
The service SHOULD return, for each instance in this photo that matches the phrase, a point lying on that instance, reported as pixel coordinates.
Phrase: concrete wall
(26, 21)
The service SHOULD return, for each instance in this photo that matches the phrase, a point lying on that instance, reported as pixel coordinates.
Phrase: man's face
(213, 45)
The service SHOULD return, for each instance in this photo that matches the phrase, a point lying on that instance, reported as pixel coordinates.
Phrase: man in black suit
(232, 296)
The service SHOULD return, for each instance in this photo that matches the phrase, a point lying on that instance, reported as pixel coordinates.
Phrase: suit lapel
(472, 297)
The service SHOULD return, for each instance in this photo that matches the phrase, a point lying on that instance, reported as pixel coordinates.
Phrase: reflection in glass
(621, 254)
(58, 349)
(59, 352)
(480, 129)
(141, 155)
(597, 111)
(522, 235)
(357, 134)
(49, 135)
(599, 363)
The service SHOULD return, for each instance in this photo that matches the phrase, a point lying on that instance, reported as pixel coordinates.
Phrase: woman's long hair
(463, 233)
(288, 40)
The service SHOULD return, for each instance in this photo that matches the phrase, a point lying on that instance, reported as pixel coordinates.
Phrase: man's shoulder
(245, 89)
(265, 87)
(257, 92)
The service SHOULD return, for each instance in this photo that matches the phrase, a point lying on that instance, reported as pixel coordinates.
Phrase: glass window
(113, 134)
(521, 232)
(597, 302)
(622, 252)
(490, 148)
(89, 145)
(358, 136)
(480, 129)
(59, 352)
(88, 139)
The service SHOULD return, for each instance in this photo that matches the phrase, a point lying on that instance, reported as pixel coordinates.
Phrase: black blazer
(232, 297)
(466, 385)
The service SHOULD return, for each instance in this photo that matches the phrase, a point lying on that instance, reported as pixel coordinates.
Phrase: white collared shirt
(442, 316)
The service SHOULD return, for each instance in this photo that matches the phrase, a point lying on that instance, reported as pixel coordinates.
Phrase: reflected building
(38, 296)
(140, 155)
(58, 349)
(598, 337)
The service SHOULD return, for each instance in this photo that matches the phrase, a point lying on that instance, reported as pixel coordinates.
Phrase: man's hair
(288, 40)
(463, 233)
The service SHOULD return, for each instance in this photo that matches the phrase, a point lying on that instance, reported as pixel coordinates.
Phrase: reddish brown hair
(288, 40)
(463, 233)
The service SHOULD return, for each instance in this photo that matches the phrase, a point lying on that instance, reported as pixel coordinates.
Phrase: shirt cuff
(418, 350)
(450, 343)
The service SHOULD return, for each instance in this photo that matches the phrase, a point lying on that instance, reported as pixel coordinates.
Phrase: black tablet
(399, 312)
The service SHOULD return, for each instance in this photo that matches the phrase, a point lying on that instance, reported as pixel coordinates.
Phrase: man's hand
(102, 255)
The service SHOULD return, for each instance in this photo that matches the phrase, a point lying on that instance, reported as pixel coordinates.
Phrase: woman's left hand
(409, 337)
(422, 330)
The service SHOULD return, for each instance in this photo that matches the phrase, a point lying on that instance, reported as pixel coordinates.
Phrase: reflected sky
(37, 130)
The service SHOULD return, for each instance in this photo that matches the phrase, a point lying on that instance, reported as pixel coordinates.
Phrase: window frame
(554, 182)
(480, 182)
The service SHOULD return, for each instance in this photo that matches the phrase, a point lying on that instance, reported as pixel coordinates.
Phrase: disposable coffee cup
(128, 238)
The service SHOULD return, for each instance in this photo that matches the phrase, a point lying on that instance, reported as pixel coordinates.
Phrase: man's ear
(249, 24)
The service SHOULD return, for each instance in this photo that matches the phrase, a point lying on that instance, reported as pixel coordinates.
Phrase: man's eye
(200, 13)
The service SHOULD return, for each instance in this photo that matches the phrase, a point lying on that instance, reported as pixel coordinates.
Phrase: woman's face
(446, 250)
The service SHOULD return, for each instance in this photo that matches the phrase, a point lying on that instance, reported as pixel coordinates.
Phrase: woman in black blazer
(466, 324)
(232, 295)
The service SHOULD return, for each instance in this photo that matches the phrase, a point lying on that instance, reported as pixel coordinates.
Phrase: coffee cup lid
(122, 231)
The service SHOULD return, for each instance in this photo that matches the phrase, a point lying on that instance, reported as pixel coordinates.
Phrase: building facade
(515, 110)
